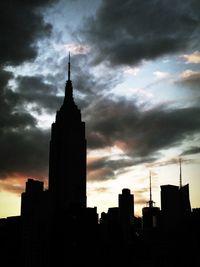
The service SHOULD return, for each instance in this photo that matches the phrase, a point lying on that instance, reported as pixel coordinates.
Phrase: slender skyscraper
(67, 158)
(126, 206)
(126, 213)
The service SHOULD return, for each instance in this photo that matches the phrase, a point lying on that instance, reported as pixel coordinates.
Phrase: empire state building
(67, 157)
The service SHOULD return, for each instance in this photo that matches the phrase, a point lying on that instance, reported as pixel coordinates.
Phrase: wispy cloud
(192, 150)
(190, 79)
(77, 49)
(132, 71)
(192, 58)
(161, 75)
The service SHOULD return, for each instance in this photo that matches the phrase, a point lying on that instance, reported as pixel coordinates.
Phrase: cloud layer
(139, 133)
(122, 33)
(190, 79)
(21, 25)
(127, 32)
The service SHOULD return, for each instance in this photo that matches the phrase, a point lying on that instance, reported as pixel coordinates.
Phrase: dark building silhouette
(67, 160)
(31, 199)
(185, 207)
(150, 214)
(56, 221)
(11, 241)
(117, 223)
(126, 207)
(35, 215)
(126, 213)
(175, 204)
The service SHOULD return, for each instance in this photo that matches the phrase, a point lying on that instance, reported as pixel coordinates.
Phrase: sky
(135, 68)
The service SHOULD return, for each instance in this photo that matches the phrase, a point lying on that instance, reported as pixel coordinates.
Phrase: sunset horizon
(135, 68)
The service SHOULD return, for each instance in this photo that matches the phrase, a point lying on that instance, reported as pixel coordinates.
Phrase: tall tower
(150, 214)
(67, 157)
(150, 192)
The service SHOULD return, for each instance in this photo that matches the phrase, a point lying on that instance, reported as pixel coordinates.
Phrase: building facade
(175, 205)
(67, 157)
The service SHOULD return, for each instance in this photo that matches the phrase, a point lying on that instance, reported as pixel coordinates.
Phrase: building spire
(150, 192)
(180, 177)
(69, 68)
(68, 87)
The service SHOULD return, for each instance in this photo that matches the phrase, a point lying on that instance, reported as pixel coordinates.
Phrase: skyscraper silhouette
(126, 212)
(32, 198)
(67, 158)
(175, 204)
(126, 206)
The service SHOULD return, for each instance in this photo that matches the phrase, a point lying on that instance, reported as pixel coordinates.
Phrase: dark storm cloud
(29, 90)
(21, 25)
(126, 32)
(140, 134)
(29, 84)
(11, 117)
(24, 152)
(34, 90)
(24, 148)
(192, 150)
(103, 168)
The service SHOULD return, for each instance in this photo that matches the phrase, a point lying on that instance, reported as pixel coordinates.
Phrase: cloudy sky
(135, 67)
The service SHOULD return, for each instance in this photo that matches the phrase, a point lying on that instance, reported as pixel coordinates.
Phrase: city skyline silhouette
(56, 225)
(137, 88)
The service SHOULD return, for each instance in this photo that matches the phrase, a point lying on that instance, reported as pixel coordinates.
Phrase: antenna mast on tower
(150, 201)
(180, 179)
(69, 68)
